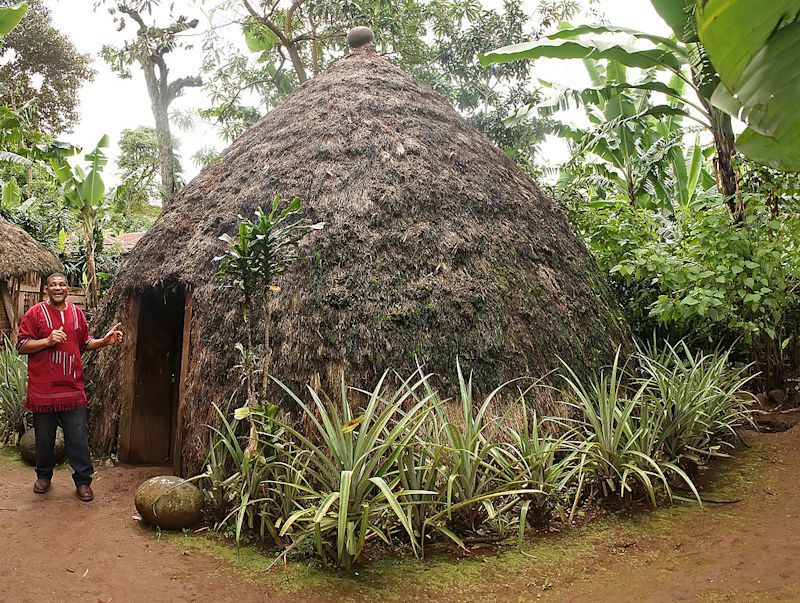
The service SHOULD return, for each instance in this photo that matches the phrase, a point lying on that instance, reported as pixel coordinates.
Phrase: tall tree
(139, 165)
(44, 70)
(148, 50)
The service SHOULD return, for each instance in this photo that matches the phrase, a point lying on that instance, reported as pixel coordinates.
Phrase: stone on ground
(169, 502)
(27, 447)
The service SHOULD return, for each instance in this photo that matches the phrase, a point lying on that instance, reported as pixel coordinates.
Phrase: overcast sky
(110, 104)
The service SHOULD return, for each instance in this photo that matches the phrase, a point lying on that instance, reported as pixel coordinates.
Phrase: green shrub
(620, 436)
(695, 395)
(13, 385)
(353, 493)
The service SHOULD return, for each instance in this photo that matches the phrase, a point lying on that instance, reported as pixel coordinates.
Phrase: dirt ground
(744, 547)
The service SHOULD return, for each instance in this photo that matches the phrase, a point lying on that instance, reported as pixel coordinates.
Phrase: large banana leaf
(678, 15)
(733, 32)
(753, 47)
(579, 30)
(585, 49)
(93, 188)
(11, 16)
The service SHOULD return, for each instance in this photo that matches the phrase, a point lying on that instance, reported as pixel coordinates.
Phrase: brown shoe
(41, 485)
(84, 493)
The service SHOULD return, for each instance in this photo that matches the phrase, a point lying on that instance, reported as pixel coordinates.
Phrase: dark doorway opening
(157, 376)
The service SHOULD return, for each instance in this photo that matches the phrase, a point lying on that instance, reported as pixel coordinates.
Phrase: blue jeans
(76, 440)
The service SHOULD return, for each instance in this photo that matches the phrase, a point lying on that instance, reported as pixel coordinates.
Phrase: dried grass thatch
(435, 245)
(20, 254)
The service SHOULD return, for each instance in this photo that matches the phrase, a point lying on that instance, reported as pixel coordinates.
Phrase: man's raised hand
(56, 336)
(114, 335)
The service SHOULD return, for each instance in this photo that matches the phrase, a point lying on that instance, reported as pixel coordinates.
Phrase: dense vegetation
(403, 466)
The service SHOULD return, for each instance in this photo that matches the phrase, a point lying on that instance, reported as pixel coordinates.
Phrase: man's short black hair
(55, 275)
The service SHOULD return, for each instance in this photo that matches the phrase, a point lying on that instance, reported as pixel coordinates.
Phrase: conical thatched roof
(20, 253)
(435, 245)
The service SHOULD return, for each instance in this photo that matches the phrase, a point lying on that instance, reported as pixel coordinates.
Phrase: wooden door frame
(186, 340)
(128, 381)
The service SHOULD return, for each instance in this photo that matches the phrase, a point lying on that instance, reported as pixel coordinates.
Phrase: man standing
(54, 334)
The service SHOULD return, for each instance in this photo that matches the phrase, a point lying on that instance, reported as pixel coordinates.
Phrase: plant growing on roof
(260, 252)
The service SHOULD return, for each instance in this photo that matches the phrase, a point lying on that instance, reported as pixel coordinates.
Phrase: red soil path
(54, 548)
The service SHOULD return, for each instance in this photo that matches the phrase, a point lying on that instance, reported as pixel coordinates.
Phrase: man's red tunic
(55, 374)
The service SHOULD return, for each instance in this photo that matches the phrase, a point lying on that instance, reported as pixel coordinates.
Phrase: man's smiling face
(57, 289)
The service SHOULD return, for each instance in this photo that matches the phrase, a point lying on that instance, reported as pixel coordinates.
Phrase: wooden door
(156, 376)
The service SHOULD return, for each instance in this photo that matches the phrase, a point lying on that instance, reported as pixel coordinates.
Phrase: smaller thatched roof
(20, 253)
(125, 241)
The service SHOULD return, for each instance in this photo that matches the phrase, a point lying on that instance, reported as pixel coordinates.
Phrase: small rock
(778, 396)
(109, 463)
(169, 502)
(27, 447)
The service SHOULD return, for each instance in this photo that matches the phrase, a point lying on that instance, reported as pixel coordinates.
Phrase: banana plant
(684, 59)
(634, 148)
(85, 192)
(753, 48)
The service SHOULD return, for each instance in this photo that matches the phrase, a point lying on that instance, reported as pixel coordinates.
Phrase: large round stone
(169, 502)
(27, 447)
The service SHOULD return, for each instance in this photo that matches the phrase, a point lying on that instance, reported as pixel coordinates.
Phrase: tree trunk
(297, 62)
(725, 143)
(726, 176)
(159, 104)
(166, 156)
(93, 294)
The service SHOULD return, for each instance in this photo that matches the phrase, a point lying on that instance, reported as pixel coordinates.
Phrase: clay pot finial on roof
(360, 37)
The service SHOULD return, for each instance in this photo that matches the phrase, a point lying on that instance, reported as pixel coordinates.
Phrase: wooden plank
(5, 312)
(7, 304)
(128, 362)
(177, 457)
(15, 316)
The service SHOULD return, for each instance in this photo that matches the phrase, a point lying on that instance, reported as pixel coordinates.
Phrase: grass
(10, 454)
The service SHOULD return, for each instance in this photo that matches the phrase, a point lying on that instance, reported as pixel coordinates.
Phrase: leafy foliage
(290, 43)
(47, 71)
(13, 386)
(85, 192)
(138, 165)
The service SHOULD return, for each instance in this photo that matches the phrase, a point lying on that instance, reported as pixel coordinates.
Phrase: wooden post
(9, 309)
(128, 360)
(186, 340)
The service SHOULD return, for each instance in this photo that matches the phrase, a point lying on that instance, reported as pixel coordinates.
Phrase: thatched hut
(20, 256)
(435, 245)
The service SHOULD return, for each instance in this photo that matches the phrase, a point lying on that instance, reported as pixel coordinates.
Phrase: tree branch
(290, 13)
(294, 56)
(133, 14)
(176, 87)
(162, 73)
